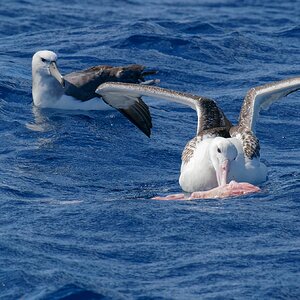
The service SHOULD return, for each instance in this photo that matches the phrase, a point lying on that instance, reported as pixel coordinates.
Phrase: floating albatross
(77, 90)
(221, 160)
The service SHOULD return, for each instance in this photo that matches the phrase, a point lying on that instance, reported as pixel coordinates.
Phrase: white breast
(198, 173)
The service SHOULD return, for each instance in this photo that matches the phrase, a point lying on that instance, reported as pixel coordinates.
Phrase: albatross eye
(43, 59)
(219, 150)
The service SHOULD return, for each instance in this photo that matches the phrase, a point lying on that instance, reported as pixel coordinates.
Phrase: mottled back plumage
(212, 117)
(248, 139)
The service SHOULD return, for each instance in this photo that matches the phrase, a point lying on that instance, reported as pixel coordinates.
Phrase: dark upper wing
(82, 84)
(138, 113)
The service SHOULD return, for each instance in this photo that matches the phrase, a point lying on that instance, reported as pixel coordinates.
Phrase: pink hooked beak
(222, 172)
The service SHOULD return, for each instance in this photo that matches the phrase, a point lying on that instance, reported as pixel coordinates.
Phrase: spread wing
(210, 117)
(258, 98)
(135, 109)
(262, 97)
(82, 84)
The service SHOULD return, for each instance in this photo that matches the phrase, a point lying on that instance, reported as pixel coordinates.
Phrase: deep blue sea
(76, 219)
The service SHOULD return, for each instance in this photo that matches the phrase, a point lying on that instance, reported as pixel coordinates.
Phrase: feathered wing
(135, 109)
(258, 98)
(120, 94)
(262, 97)
(82, 85)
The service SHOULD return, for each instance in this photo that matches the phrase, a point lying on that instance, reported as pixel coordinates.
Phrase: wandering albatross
(76, 91)
(221, 160)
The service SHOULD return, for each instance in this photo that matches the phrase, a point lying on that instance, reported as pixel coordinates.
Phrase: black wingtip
(148, 134)
(140, 117)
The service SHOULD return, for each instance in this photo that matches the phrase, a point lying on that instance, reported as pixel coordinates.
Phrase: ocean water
(76, 217)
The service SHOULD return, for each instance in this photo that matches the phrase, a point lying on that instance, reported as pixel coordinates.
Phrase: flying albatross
(221, 160)
(77, 90)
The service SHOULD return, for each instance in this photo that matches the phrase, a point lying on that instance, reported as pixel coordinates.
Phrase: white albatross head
(222, 152)
(47, 81)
